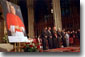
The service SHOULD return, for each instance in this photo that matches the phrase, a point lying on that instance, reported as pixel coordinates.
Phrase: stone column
(57, 13)
(30, 18)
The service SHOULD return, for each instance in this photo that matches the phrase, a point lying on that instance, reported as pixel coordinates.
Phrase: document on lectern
(15, 39)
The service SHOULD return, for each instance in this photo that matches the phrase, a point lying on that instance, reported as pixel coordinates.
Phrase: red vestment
(14, 20)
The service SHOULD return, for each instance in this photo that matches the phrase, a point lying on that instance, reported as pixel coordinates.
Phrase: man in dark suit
(63, 37)
(44, 38)
(59, 36)
(54, 37)
(50, 38)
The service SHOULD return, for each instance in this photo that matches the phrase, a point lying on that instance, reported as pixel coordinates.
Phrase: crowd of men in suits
(52, 38)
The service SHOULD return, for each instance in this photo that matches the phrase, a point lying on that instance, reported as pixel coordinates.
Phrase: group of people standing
(53, 38)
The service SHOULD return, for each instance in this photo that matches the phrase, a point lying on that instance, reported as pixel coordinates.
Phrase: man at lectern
(14, 23)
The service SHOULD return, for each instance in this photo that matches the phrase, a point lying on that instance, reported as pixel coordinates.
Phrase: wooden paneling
(1, 26)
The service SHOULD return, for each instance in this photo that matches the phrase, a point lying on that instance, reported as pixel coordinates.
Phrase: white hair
(8, 5)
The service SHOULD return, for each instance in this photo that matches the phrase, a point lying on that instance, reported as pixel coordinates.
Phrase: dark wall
(70, 10)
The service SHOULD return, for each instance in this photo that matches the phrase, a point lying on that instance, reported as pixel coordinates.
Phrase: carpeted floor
(66, 49)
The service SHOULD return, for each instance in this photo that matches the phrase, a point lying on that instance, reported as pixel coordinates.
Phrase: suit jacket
(49, 33)
(44, 33)
(59, 34)
(54, 34)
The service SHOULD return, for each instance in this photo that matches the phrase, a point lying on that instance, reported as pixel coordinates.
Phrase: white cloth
(17, 36)
(16, 33)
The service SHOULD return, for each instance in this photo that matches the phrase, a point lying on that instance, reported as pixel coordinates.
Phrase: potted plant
(5, 38)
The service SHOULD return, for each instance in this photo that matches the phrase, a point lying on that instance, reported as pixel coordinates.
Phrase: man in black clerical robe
(44, 38)
(50, 38)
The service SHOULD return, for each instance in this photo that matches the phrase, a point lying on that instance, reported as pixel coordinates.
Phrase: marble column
(57, 13)
(30, 18)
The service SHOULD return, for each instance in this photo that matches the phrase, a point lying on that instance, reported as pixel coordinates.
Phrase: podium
(17, 40)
